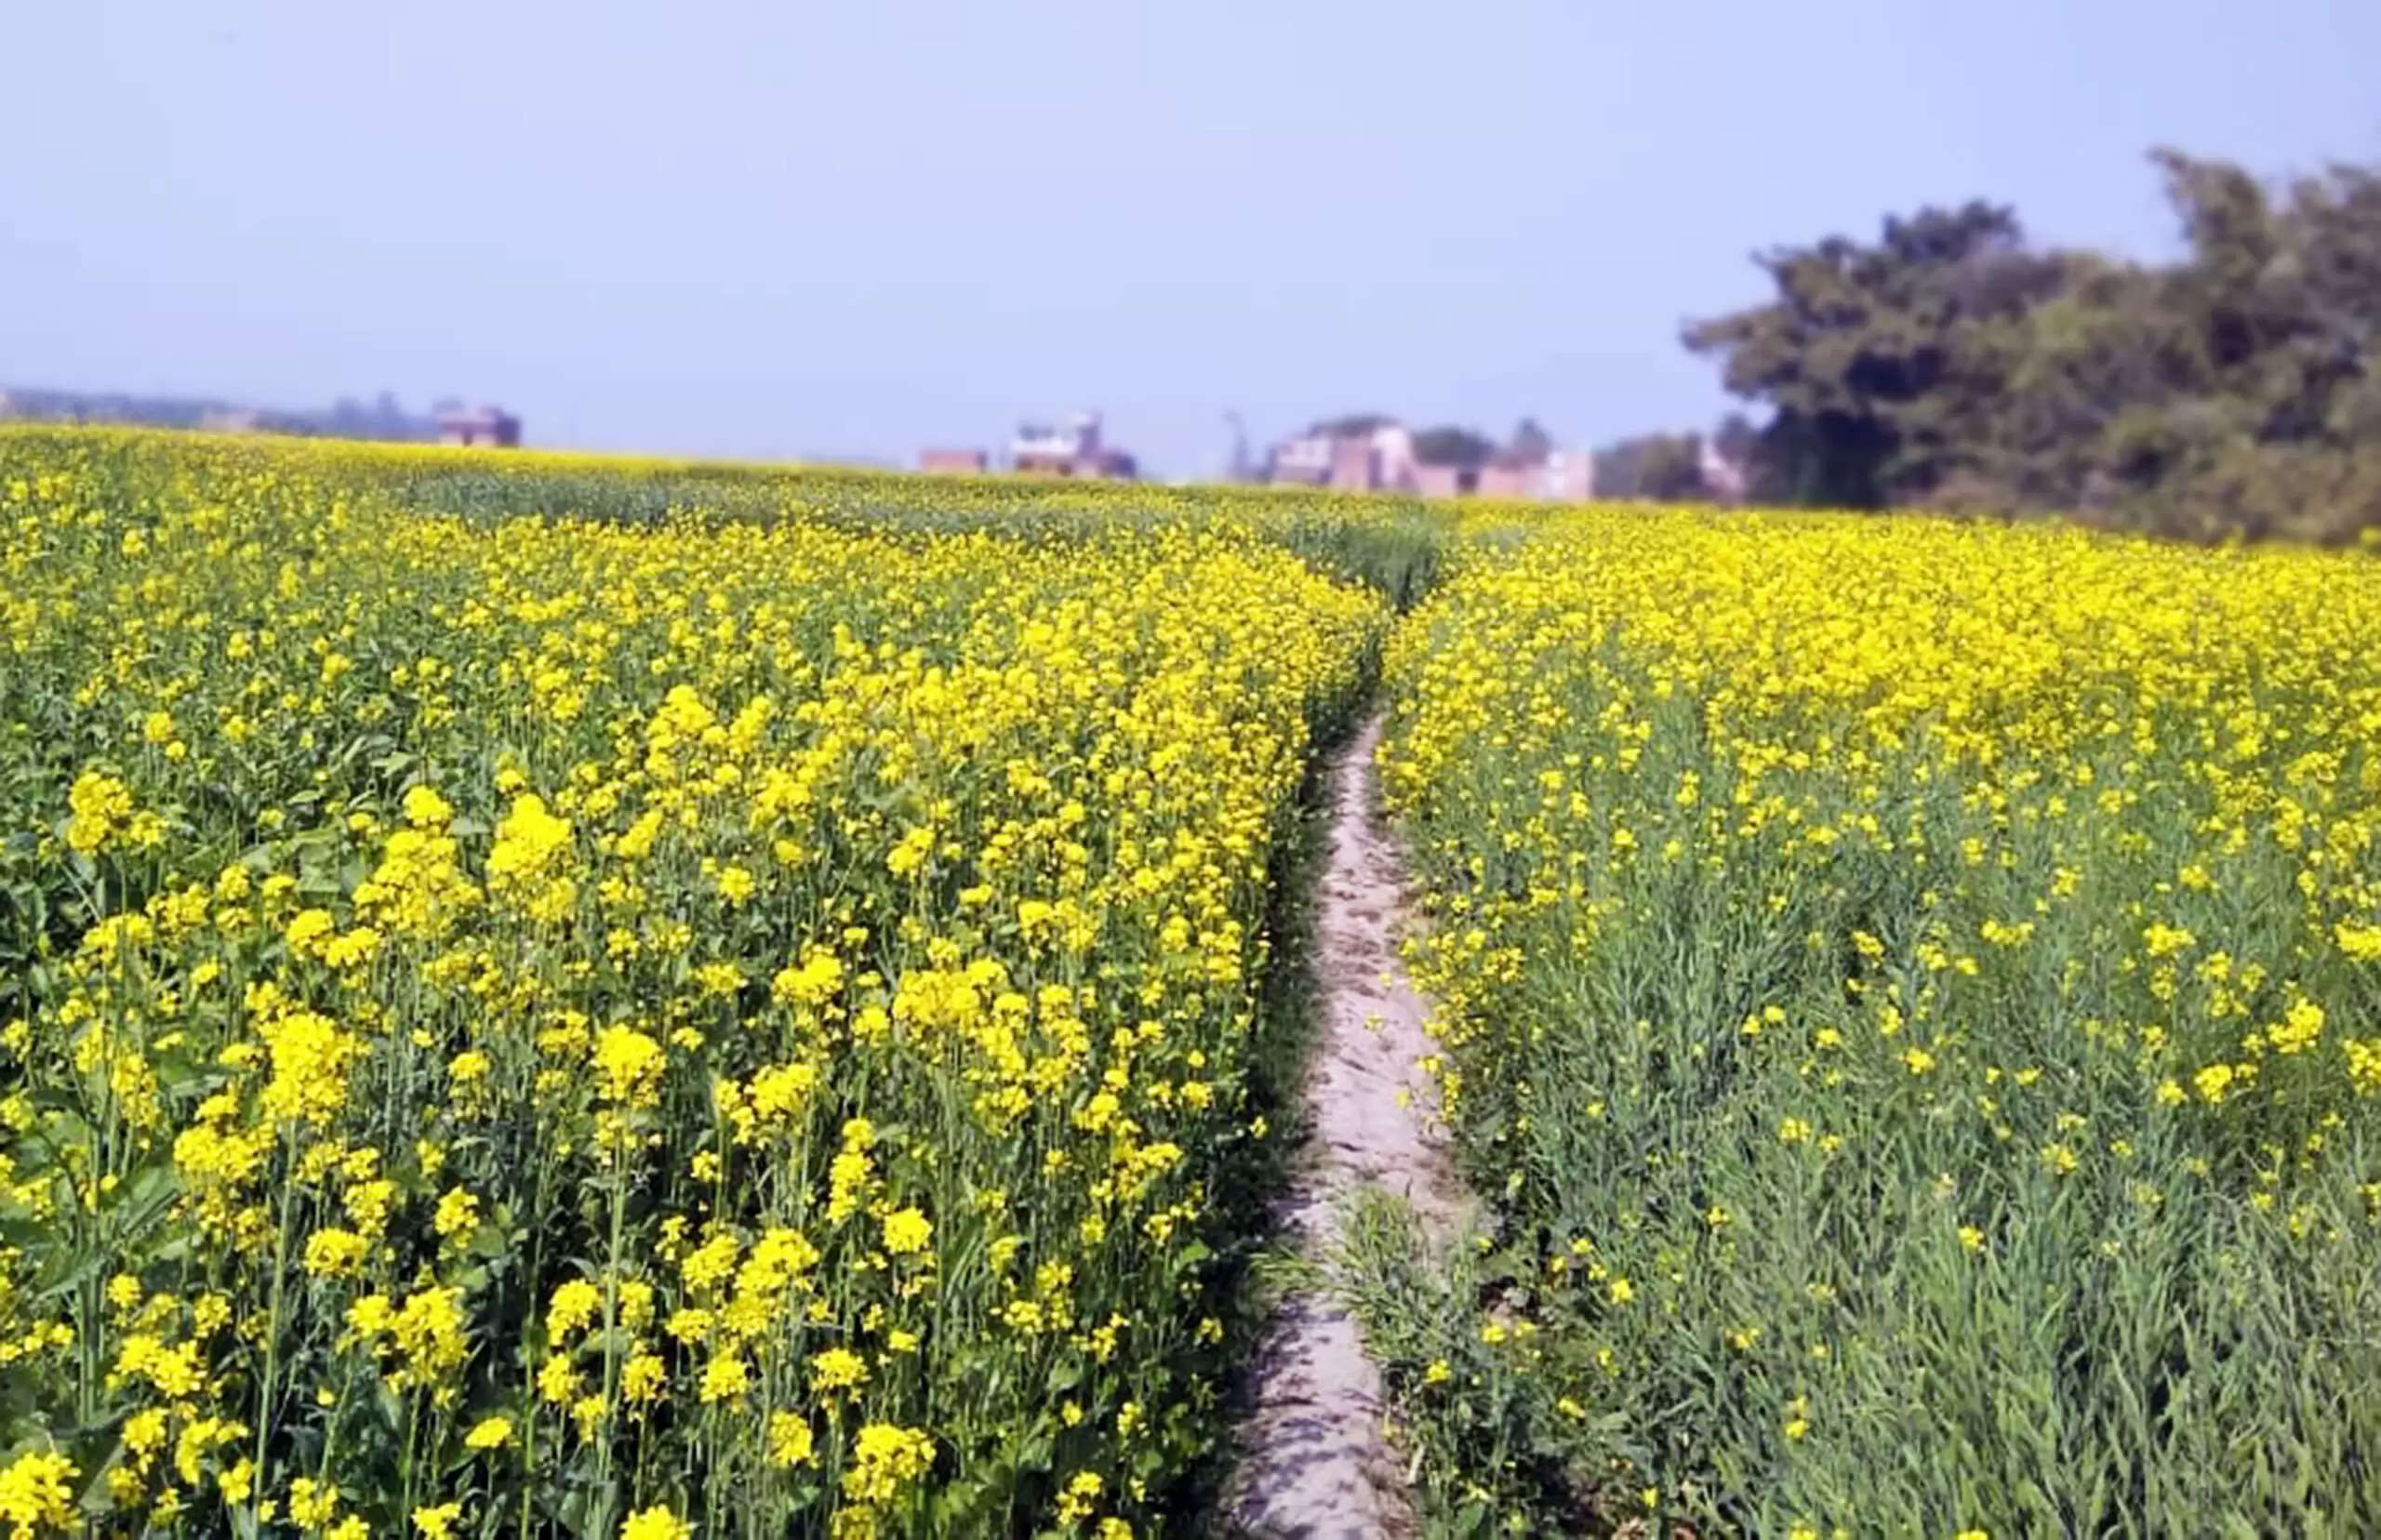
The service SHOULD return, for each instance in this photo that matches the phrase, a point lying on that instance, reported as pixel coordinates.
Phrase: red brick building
(1445, 481)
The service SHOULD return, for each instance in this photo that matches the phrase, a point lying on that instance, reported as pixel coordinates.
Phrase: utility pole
(1239, 448)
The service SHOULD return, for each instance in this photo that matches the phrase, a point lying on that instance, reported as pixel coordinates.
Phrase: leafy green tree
(2238, 389)
(1530, 443)
(1865, 355)
(1654, 467)
(1452, 446)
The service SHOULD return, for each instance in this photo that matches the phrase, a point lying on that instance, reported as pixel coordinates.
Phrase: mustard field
(525, 1026)
(559, 996)
(1912, 993)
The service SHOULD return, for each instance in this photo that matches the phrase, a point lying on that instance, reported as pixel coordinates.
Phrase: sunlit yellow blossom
(489, 1433)
(907, 1230)
(789, 1439)
(885, 1459)
(656, 1523)
(36, 1494)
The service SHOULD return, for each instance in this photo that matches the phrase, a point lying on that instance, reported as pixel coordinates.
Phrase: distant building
(1351, 455)
(231, 420)
(479, 427)
(1301, 462)
(1501, 478)
(1072, 450)
(1373, 453)
(1569, 475)
(1445, 481)
(1551, 475)
(955, 462)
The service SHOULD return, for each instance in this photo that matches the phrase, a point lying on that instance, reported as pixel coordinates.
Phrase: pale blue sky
(770, 229)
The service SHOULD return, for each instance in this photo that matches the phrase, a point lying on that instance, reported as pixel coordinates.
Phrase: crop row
(533, 1026)
(1912, 991)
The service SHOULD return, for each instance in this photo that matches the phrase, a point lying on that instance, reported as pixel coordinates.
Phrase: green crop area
(543, 995)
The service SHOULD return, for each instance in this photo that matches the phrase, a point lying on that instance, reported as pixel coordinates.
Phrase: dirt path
(1316, 1466)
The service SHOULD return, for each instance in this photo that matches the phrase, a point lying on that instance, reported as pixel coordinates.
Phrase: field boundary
(1316, 1457)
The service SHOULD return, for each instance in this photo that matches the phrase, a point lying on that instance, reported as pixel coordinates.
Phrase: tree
(1861, 354)
(1950, 362)
(1530, 443)
(1654, 467)
(1352, 425)
(1736, 439)
(1448, 445)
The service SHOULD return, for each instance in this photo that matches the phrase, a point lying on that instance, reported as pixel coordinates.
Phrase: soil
(1317, 1462)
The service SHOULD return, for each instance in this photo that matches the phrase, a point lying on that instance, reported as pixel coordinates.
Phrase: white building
(1367, 456)
(1073, 449)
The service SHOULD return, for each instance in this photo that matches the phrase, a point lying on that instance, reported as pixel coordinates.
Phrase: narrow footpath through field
(1316, 1463)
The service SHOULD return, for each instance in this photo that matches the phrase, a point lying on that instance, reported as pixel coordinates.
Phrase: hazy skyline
(718, 228)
